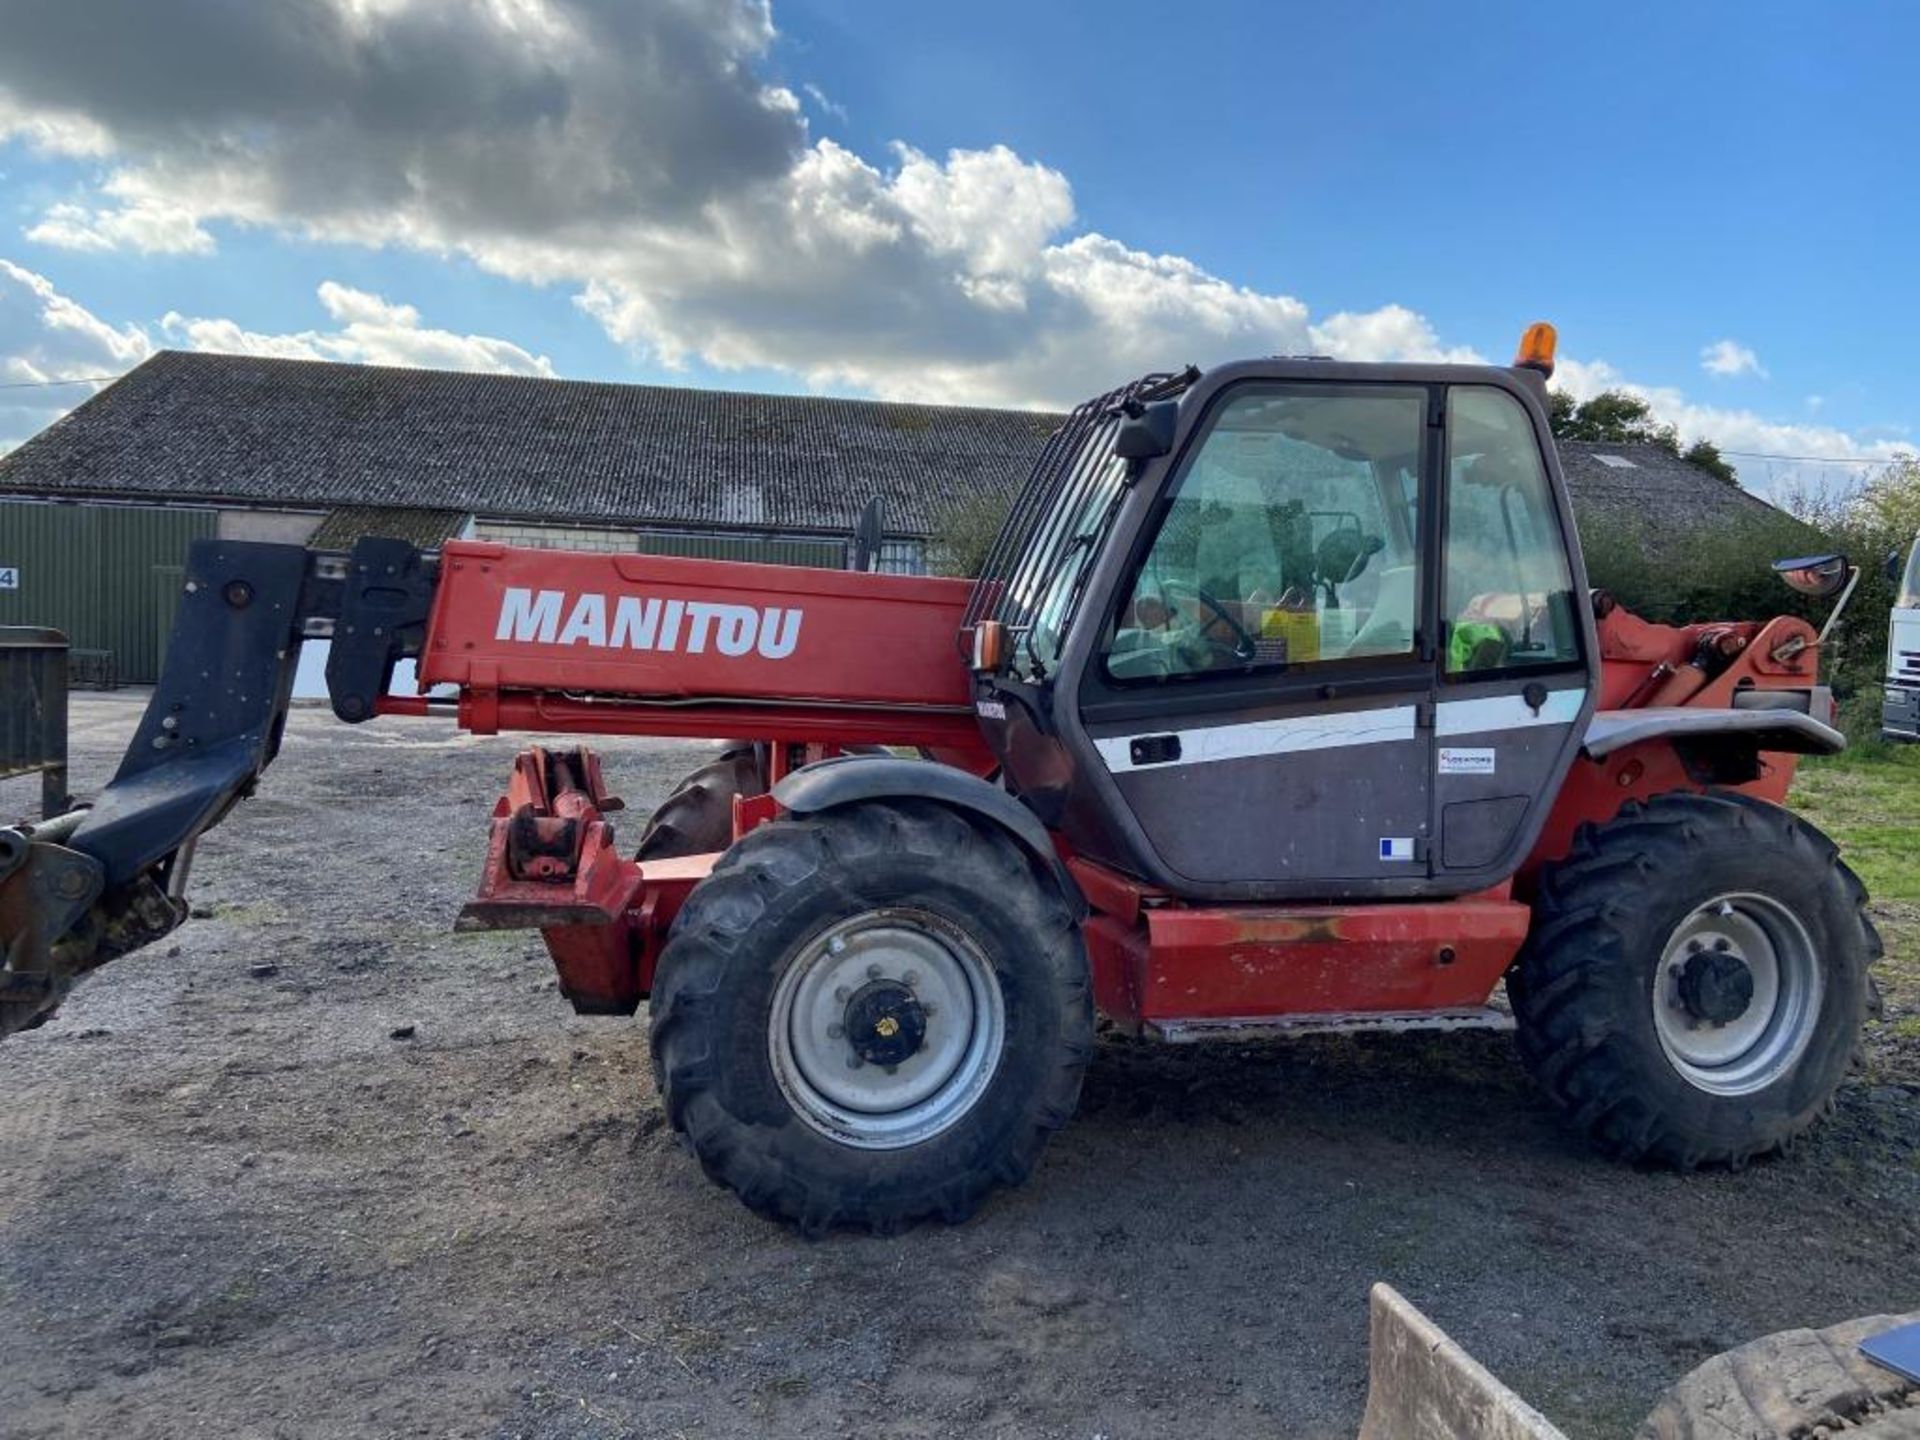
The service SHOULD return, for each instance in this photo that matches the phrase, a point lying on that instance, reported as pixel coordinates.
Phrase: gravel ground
(232, 1203)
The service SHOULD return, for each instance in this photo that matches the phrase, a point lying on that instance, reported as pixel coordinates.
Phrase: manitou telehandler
(1281, 705)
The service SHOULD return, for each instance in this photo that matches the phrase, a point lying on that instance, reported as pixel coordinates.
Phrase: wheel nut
(836, 1031)
(893, 1069)
(1694, 947)
(873, 972)
(910, 979)
(842, 994)
(854, 1062)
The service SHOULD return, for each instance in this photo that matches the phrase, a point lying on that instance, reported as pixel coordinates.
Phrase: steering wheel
(1180, 635)
(1244, 646)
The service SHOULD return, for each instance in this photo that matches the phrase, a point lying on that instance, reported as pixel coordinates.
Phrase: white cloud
(632, 153)
(991, 210)
(823, 102)
(1392, 332)
(1739, 430)
(45, 338)
(1727, 358)
(408, 120)
(373, 331)
(146, 226)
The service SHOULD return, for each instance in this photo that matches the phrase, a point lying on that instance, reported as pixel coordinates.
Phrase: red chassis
(814, 660)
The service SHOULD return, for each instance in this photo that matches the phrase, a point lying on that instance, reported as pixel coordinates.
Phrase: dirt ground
(233, 1203)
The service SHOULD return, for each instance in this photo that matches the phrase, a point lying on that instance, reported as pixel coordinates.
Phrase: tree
(1707, 456)
(1613, 417)
(964, 531)
(1889, 503)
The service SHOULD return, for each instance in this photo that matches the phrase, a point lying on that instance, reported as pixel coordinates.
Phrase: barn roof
(1652, 491)
(240, 429)
(298, 432)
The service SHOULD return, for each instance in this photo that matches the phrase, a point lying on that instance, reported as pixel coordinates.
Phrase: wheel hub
(1737, 994)
(1715, 986)
(886, 1027)
(885, 1024)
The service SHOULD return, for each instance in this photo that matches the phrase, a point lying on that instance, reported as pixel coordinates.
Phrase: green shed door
(167, 580)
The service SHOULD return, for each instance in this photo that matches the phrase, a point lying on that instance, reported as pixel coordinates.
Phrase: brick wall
(556, 537)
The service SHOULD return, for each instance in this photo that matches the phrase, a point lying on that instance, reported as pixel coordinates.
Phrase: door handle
(1153, 749)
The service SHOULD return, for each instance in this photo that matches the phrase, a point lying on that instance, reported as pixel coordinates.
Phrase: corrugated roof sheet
(1657, 495)
(238, 428)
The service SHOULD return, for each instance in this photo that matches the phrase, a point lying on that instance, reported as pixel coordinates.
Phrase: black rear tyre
(825, 941)
(1695, 980)
(697, 817)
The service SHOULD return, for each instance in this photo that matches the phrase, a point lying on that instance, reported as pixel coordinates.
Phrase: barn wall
(763, 549)
(106, 575)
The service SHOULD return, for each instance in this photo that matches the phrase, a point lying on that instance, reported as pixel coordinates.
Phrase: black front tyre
(697, 817)
(1695, 980)
(871, 1016)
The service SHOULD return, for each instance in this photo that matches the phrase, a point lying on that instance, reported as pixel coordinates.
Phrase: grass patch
(1868, 800)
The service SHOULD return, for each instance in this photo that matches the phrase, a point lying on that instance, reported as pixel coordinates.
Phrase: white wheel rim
(937, 971)
(1746, 1053)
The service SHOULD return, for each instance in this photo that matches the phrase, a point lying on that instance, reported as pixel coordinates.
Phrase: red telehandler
(1281, 705)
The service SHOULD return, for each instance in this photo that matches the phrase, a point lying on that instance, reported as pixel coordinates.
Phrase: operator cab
(1293, 629)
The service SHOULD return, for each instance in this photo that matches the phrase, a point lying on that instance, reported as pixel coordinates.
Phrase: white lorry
(1900, 710)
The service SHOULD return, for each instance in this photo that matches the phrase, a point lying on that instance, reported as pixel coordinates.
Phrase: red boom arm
(549, 640)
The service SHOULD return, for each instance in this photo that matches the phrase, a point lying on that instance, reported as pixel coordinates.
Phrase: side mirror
(1816, 575)
(1146, 432)
(868, 532)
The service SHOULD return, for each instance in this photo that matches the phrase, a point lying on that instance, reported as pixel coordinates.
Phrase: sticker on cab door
(1396, 847)
(1455, 761)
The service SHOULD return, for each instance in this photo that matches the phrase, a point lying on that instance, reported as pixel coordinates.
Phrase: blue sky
(998, 203)
(1650, 176)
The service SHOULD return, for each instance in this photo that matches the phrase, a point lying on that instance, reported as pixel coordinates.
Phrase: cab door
(1262, 696)
(1518, 669)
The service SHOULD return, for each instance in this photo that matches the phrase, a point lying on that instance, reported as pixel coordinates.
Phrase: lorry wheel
(871, 1016)
(1695, 979)
(697, 818)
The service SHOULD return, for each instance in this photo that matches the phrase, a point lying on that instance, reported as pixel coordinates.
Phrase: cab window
(1292, 538)
(1508, 598)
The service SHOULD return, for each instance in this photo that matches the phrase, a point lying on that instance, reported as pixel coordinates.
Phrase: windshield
(1910, 582)
(1034, 575)
(1050, 601)
(1292, 538)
